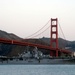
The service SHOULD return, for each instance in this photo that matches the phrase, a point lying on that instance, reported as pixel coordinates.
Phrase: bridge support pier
(54, 35)
(56, 52)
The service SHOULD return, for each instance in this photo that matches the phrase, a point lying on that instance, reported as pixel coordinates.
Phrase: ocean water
(37, 69)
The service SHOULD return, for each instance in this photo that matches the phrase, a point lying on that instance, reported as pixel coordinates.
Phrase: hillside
(10, 36)
(5, 49)
(14, 50)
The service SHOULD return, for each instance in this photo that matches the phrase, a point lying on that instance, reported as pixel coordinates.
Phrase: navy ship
(36, 57)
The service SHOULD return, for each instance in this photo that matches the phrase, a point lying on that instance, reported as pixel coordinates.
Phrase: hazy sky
(24, 17)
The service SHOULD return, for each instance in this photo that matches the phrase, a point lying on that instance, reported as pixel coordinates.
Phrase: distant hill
(10, 36)
(62, 43)
(5, 49)
(14, 50)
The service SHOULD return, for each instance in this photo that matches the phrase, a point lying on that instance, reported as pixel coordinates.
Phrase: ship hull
(35, 61)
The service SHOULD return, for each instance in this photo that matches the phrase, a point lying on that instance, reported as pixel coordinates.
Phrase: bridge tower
(54, 34)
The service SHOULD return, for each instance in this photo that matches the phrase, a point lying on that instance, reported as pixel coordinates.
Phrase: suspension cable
(62, 31)
(41, 32)
(38, 30)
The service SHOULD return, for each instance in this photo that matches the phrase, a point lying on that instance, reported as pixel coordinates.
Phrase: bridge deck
(14, 42)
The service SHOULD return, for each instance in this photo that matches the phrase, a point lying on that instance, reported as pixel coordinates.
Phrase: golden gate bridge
(54, 51)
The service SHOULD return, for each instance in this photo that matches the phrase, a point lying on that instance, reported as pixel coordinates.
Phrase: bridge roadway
(14, 42)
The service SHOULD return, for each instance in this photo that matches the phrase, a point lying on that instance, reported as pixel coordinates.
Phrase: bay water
(37, 69)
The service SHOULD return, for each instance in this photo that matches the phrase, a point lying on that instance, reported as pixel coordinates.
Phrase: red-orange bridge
(53, 51)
